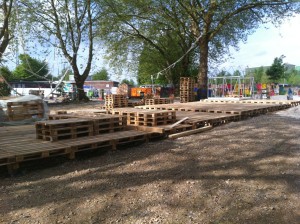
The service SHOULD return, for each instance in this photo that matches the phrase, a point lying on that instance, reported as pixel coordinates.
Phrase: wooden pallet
(202, 119)
(154, 118)
(158, 101)
(25, 110)
(54, 130)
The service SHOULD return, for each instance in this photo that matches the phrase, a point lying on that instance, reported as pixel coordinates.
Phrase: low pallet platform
(243, 110)
(26, 148)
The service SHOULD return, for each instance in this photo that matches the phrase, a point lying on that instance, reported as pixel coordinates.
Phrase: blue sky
(265, 44)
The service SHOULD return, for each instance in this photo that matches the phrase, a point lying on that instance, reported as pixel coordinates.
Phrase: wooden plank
(185, 133)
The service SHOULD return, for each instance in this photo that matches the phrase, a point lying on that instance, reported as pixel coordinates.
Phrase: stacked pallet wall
(187, 85)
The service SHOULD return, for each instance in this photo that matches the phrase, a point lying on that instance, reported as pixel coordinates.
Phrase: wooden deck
(242, 109)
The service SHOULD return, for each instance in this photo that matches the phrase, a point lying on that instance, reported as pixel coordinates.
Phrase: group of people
(93, 93)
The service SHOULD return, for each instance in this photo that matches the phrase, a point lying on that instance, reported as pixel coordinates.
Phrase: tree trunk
(81, 96)
(203, 68)
(79, 80)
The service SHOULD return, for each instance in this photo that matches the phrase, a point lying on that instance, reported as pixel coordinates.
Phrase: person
(196, 92)
(290, 94)
(201, 92)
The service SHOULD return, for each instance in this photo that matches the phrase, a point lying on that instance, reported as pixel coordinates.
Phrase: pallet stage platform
(243, 110)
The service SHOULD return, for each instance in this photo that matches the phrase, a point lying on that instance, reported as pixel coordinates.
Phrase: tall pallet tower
(187, 85)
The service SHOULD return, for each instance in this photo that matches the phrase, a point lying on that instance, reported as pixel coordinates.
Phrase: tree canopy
(128, 82)
(101, 75)
(31, 69)
(277, 69)
(147, 37)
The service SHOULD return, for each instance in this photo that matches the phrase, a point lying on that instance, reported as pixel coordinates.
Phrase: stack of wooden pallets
(105, 123)
(114, 101)
(123, 89)
(64, 126)
(17, 111)
(55, 130)
(187, 85)
(152, 118)
(158, 101)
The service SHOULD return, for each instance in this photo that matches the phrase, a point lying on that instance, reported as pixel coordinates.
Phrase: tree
(294, 77)
(137, 36)
(4, 88)
(237, 73)
(212, 25)
(277, 69)
(101, 75)
(31, 69)
(6, 24)
(69, 26)
(65, 72)
(128, 82)
(6, 73)
(258, 74)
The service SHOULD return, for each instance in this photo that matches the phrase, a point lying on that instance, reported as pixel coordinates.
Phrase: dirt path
(242, 172)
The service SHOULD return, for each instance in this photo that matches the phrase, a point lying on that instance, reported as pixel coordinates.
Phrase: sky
(265, 44)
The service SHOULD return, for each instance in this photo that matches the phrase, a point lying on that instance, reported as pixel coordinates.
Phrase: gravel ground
(242, 172)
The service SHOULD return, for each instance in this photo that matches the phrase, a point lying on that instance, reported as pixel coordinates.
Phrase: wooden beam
(178, 122)
(146, 129)
(190, 132)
